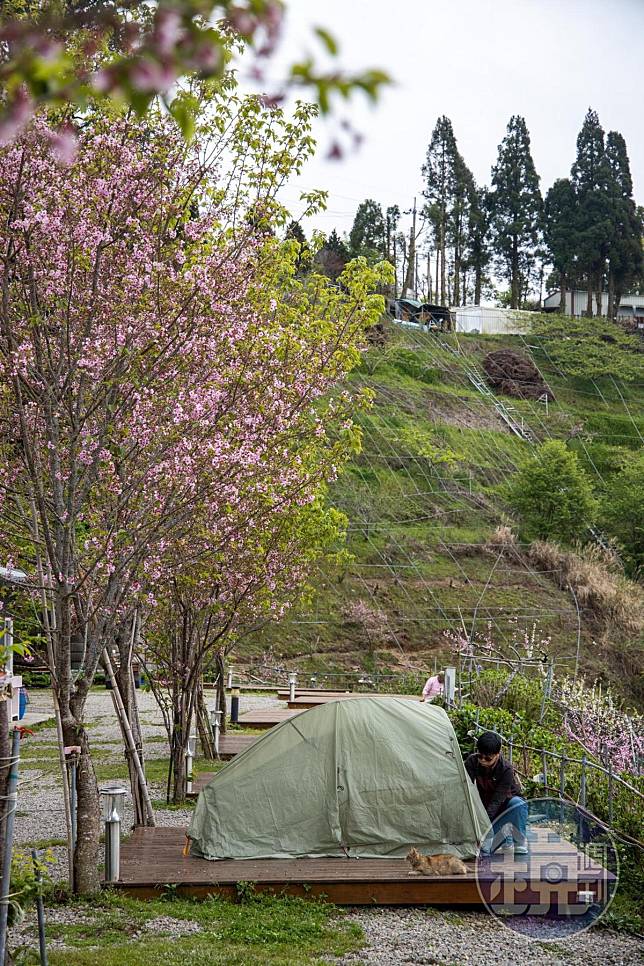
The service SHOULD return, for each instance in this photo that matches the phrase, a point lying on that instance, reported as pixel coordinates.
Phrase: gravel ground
(393, 936)
(40, 812)
(459, 938)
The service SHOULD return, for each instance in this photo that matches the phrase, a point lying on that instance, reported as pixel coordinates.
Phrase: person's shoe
(520, 849)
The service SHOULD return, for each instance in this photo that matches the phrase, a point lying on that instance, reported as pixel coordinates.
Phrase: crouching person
(500, 792)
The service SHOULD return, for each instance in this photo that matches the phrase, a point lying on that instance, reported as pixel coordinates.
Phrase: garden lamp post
(215, 724)
(190, 754)
(113, 798)
(292, 679)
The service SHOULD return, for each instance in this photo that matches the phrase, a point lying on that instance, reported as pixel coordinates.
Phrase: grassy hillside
(423, 499)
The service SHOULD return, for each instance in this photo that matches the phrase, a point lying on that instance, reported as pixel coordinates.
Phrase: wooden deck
(266, 719)
(234, 743)
(554, 872)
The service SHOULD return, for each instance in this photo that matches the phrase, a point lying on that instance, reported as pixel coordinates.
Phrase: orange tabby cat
(435, 864)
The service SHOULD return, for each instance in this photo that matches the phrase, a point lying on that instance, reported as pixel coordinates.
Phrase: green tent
(369, 776)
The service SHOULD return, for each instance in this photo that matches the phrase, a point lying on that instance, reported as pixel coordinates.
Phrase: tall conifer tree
(560, 233)
(591, 178)
(625, 251)
(516, 208)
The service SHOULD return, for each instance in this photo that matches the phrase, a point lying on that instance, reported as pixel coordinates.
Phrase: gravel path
(418, 936)
(457, 938)
(40, 814)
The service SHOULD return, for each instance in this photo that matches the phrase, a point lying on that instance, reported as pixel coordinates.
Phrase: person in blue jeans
(500, 791)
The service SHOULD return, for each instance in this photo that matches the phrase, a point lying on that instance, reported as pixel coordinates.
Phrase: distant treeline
(586, 233)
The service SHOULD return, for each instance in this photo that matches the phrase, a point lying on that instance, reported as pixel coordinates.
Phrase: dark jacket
(495, 785)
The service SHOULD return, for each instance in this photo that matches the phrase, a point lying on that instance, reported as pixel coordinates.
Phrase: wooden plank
(151, 858)
(284, 693)
(266, 719)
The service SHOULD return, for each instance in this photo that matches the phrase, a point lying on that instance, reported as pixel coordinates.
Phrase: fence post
(562, 787)
(544, 767)
(610, 792)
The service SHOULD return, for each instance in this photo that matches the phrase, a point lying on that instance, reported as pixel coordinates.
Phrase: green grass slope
(423, 498)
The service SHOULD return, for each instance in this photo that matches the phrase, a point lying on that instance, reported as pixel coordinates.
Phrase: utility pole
(411, 262)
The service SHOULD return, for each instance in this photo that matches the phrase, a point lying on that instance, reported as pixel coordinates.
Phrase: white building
(490, 320)
(630, 306)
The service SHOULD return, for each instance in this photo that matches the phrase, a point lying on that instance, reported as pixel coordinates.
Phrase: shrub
(622, 512)
(553, 496)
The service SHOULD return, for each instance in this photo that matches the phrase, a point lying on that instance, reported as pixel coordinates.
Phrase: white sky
(478, 62)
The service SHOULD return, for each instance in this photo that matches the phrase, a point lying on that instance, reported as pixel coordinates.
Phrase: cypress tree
(459, 223)
(560, 233)
(439, 172)
(591, 179)
(516, 208)
(478, 250)
(625, 250)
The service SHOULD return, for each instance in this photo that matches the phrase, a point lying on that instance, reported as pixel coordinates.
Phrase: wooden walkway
(554, 872)
(266, 719)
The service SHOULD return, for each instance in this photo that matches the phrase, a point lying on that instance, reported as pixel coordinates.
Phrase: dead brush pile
(589, 572)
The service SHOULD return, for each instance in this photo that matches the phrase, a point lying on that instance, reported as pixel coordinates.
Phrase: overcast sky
(478, 62)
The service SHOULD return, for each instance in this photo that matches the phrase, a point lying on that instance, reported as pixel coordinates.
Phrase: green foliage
(273, 930)
(588, 348)
(24, 887)
(553, 496)
(367, 235)
(622, 512)
(414, 364)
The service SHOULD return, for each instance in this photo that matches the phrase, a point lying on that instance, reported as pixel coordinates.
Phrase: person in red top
(500, 792)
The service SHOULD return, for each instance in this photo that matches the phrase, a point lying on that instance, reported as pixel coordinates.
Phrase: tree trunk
(562, 303)
(442, 250)
(515, 281)
(598, 295)
(5, 766)
(221, 689)
(589, 297)
(611, 295)
(203, 725)
(457, 279)
(86, 873)
(478, 284)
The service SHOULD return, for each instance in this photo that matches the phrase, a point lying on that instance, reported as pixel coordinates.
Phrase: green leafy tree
(622, 513)
(367, 235)
(553, 496)
(560, 233)
(516, 209)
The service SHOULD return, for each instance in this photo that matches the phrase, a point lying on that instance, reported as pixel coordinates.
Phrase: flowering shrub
(592, 717)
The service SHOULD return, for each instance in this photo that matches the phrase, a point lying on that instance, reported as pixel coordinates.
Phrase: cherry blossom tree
(154, 357)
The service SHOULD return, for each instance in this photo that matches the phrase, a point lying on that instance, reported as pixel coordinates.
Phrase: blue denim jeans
(515, 814)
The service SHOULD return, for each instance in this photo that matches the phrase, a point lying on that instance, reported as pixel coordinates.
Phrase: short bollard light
(113, 798)
(215, 724)
(292, 679)
(229, 682)
(190, 754)
(234, 706)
